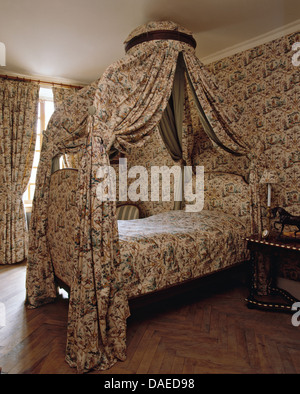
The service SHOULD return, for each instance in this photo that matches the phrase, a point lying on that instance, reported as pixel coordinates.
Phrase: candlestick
(269, 194)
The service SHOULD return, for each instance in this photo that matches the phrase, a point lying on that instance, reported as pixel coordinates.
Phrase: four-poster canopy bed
(77, 238)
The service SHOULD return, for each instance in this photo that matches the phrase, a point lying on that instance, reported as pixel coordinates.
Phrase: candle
(269, 194)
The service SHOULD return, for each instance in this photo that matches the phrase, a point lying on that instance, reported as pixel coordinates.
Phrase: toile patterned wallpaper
(264, 87)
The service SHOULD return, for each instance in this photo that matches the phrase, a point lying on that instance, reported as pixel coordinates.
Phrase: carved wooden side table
(268, 253)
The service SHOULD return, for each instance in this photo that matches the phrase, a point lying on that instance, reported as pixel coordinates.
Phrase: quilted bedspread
(168, 248)
(171, 247)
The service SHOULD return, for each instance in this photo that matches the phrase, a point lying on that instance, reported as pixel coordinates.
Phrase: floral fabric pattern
(18, 118)
(62, 223)
(264, 88)
(171, 247)
(60, 94)
(229, 194)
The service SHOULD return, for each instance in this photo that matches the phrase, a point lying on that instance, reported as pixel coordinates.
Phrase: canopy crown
(162, 30)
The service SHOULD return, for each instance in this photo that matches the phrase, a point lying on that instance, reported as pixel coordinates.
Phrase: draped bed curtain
(129, 101)
(172, 121)
(171, 124)
(18, 118)
(60, 94)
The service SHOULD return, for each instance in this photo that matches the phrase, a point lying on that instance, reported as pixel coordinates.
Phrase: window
(46, 108)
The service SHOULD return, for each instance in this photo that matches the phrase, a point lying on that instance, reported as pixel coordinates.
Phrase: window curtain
(18, 118)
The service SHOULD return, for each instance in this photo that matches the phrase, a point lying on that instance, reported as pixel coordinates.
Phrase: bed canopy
(143, 90)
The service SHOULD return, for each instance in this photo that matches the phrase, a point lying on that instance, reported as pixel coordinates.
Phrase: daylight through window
(46, 108)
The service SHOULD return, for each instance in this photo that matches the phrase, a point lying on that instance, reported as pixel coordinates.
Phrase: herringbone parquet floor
(205, 330)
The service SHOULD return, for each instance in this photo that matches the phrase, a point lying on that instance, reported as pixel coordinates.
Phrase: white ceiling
(75, 40)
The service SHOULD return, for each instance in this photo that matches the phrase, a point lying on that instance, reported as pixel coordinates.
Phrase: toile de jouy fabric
(172, 247)
(61, 94)
(169, 248)
(128, 100)
(18, 118)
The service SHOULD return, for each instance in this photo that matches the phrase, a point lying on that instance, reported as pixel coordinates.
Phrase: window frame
(41, 126)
